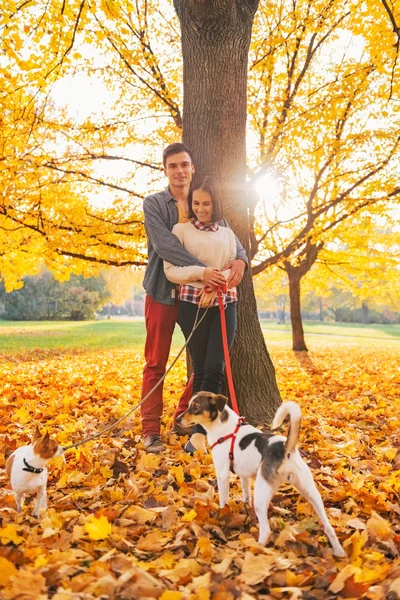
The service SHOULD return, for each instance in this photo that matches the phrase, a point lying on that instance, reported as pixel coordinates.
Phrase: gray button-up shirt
(160, 215)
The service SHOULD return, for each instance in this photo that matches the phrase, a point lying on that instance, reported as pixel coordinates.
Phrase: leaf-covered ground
(126, 525)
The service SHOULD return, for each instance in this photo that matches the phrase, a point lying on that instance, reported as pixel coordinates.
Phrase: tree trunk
(365, 313)
(215, 45)
(303, 263)
(321, 309)
(299, 343)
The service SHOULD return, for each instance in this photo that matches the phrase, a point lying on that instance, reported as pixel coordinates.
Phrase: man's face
(179, 169)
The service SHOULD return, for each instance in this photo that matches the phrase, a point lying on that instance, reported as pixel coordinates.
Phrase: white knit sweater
(214, 248)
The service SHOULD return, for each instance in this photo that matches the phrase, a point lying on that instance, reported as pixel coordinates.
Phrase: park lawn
(325, 332)
(113, 333)
(130, 333)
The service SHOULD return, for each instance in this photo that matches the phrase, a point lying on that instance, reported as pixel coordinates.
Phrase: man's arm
(165, 243)
(182, 275)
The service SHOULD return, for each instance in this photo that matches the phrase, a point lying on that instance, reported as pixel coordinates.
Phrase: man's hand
(207, 298)
(237, 268)
(213, 278)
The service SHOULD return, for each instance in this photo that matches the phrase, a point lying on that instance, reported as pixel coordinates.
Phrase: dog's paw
(339, 552)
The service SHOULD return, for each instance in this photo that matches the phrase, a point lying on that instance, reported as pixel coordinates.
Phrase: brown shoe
(153, 444)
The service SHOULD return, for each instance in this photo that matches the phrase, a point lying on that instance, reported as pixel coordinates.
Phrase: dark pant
(205, 345)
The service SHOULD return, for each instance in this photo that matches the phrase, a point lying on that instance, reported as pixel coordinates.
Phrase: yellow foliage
(9, 534)
(7, 570)
(98, 529)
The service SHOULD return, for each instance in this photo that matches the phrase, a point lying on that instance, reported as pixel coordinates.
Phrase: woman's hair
(209, 184)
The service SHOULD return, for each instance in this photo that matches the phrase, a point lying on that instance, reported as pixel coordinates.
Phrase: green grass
(316, 331)
(17, 336)
(28, 335)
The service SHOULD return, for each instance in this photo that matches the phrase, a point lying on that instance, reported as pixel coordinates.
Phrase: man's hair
(209, 184)
(176, 148)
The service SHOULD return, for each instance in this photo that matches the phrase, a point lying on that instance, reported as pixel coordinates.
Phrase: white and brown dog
(27, 472)
(270, 459)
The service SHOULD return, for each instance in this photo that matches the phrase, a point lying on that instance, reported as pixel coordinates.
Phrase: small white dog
(270, 459)
(27, 472)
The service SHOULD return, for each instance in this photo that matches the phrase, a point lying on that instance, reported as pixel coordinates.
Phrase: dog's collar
(31, 469)
(232, 437)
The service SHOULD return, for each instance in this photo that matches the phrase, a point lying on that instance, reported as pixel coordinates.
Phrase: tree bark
(304, 262)
(299, 343)
(215, 44)
(365, 313)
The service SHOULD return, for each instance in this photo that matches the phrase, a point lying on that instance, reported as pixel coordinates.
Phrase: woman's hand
(213, 277)
(237, 268)
(207, 298)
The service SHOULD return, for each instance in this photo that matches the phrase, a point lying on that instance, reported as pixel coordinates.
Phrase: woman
(215, 246)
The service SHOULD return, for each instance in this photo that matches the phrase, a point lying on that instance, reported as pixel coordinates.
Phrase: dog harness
(232, 437)
(31, 469)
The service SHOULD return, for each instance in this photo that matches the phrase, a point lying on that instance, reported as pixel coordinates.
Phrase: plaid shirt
(190, 293)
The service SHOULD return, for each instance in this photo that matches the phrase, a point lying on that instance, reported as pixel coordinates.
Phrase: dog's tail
(293, 410)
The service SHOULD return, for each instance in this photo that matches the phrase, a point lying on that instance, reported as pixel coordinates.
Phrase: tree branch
(94, 180)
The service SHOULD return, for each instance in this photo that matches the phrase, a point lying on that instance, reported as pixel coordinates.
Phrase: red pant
(160, 323)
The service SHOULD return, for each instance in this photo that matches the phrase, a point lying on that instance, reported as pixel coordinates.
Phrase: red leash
(226, 350)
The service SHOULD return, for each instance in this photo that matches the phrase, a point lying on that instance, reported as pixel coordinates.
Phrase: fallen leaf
(255, 568)
(9, 534)
(98, 529)
(7, 570)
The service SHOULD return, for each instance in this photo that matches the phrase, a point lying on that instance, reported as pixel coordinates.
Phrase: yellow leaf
(98, 529)
(51, 525)
(170, 595)
(357, 541)
(106, 472)
(9, 534)
(166, 561)
(22, 416)
(203, 594)
(41, 561)
(205, 547)
(188, 517)
(117, 495)
(178, 473)
(148, 462)
(7, 570)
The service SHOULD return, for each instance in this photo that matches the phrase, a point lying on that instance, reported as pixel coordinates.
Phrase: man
(161, 212)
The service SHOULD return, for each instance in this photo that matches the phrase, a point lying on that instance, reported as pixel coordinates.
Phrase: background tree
(330, 166)
(44, 298)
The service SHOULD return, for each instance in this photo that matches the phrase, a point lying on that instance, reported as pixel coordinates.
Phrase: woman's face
(202, 206)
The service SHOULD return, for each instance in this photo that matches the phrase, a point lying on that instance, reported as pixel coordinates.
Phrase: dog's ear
(220, 401)
(37, 433)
